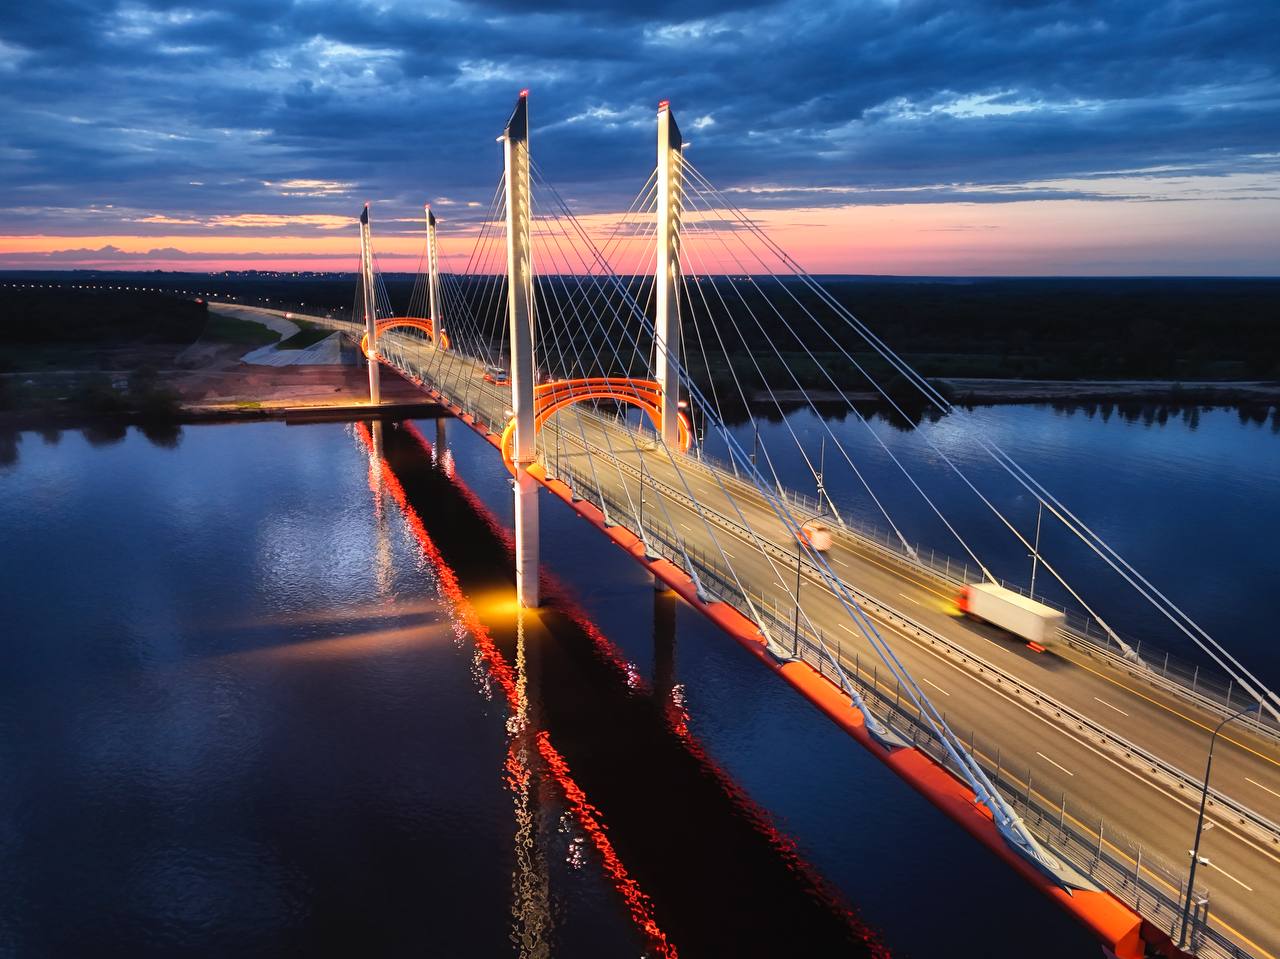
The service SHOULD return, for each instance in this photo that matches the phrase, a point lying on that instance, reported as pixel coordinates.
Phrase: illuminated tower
(520, 312)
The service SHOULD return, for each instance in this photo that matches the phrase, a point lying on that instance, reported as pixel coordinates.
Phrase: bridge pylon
(370, 306)
(667, 272)
(520, 313)
(434, 302)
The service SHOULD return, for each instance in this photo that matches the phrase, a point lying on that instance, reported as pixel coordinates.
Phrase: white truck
(1035, 622)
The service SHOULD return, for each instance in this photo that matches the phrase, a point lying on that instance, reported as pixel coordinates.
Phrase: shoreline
(969, 391)
(347, 412)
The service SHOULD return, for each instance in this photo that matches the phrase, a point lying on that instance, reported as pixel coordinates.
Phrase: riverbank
(209, 380)
(970, 391)
(976, 391)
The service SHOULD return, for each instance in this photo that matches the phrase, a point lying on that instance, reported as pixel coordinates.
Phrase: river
(262, 693)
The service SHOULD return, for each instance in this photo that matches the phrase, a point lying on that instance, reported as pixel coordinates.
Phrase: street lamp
(1204, 799)
(818, 537)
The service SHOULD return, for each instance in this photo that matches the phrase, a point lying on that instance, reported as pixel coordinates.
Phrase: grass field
(308, 335)
(227, 329)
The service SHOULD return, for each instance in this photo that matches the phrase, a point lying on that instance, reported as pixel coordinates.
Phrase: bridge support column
(433, 280)
(667, 272)
(664, 644)
(520, 312)
(370, 306)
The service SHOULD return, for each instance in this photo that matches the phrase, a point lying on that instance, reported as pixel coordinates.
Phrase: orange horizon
(1033, 237)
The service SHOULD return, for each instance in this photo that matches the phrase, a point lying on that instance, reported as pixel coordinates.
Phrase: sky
(872, 136)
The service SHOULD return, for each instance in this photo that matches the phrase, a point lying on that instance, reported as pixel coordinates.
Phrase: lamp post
(641, 518)
(1204, 799)
(1035, 551)
(818, 537)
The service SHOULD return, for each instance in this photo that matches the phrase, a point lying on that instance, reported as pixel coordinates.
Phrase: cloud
(244, 115)
(301, 186)
(322, 221)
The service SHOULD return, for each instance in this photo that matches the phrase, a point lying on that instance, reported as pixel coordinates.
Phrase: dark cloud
(192, 110)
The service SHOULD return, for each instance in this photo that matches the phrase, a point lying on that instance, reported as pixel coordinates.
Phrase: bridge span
(1099, 760)
(1080, 766)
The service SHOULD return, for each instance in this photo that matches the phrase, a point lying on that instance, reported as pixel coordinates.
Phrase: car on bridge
(496, 375)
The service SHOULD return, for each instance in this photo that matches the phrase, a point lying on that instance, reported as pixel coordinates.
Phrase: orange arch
(415, 322)
(551, 398)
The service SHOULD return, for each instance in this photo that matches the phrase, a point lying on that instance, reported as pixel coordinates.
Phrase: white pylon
(667, 273)
(370, 307)
(515, 152)
(433, 280)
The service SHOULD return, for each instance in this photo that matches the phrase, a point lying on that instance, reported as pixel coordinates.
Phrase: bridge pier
(370, 307)
(515, 151)
(664, 641)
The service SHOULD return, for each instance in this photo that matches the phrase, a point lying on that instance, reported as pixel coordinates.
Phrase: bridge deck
(1048, 723)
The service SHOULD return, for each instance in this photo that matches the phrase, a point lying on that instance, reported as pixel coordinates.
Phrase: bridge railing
(1157, 667)
(1070, 828)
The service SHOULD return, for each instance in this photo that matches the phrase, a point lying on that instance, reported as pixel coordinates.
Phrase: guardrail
(1125, 750)
(1156, 667)
(1070, 829)
(1081, 837)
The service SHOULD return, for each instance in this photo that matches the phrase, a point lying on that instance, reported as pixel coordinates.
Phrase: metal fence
(1147, 663)
(1070, 828)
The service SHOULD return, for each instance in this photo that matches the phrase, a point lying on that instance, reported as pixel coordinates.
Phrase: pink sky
(1226, 236)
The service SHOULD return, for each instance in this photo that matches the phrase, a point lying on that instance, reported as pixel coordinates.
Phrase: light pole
(822, 464)
(1035, 550)
(1204, 799)
(1040, 514)
(641, 523)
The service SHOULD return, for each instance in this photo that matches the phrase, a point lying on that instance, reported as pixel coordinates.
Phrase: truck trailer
(1034, 622)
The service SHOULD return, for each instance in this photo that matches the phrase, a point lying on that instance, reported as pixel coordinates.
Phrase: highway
(1051, 755)
(1242, 873)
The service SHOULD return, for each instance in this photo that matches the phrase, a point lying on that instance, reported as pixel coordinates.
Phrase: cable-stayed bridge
(619, 366)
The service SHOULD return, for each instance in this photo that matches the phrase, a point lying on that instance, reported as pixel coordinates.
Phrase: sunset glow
(873, 138)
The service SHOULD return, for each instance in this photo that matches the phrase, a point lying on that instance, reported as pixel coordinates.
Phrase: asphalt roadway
(1239, 868)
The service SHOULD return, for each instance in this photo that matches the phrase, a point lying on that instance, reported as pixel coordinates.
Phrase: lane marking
(935, 686)
(911, 599)
(866, 557)
(687, 526)
(1169, 709)
(1059, 765)
(1085, 827)
(1213, 865)
(1116, 708)
(898, 573)
(1260, 786)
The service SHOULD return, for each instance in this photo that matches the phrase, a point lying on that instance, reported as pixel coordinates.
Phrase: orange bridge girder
(422, 323)
(550, 398)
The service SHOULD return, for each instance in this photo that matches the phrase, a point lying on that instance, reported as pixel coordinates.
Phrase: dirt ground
(241, 386)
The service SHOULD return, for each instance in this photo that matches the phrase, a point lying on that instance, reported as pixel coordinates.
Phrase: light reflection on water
(234, 715)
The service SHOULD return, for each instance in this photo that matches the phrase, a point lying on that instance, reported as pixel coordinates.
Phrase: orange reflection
(639, 905)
